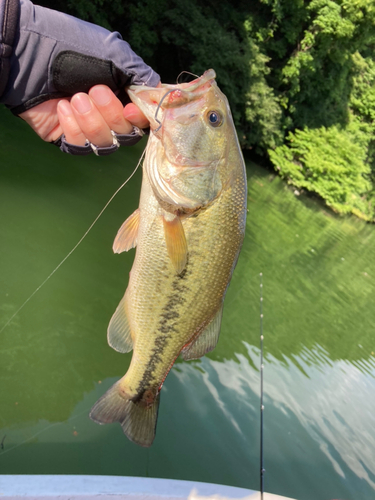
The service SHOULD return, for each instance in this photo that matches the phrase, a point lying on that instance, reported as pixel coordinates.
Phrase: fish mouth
(153, 100)
(200, 84)
(183, 93)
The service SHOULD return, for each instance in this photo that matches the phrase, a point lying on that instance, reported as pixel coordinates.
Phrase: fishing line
(148, 462)
(185, 73)
(74, 248)
(43, 430)
(262, 469)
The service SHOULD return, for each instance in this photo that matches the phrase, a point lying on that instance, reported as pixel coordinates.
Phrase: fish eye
(215, 118)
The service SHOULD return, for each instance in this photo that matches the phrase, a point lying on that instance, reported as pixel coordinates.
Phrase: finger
(110, 108)
(135, 116)
(90, 120)
(71, 129)
(44, 120)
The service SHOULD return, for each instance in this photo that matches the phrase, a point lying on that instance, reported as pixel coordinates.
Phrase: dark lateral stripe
(165, 329)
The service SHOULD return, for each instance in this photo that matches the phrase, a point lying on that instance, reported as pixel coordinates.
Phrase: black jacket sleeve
(46, 54)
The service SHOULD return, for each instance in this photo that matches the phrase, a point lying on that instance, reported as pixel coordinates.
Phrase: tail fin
(137, 422)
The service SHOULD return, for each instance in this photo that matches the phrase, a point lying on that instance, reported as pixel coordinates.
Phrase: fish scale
(188, 239)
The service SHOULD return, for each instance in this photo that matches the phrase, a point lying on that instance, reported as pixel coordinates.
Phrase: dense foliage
(299, 74)
(328, 162)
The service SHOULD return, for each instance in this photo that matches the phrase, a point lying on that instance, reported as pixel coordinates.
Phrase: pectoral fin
(126, 237)
(118, 334)
(206, 341)
(176, 242)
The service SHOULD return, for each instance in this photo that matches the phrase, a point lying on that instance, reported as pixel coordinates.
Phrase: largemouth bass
(188, 231)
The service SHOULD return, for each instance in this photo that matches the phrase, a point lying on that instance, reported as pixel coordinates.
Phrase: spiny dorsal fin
(126, 237)
(206, 341)
(118, 334)
(176, 242)
(138, 422)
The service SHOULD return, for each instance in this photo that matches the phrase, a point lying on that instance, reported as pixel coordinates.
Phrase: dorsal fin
(206, 341)
(176, 242)
(126, 237)
(118, 335)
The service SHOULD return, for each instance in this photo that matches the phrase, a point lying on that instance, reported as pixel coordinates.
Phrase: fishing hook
(157, 109)
(165, 95)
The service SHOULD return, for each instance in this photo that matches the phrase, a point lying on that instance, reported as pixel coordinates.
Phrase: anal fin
(176, 242)
(118, 334)
(206, 341)
(127, 235)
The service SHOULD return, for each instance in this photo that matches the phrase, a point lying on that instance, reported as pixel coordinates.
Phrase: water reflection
(210, 408)
(318, 414)
(318, 276)
(332, 401)
(318, 419)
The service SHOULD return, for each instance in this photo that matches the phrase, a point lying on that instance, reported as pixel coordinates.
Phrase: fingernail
(81, 103)
(101, 95)
(64, 108)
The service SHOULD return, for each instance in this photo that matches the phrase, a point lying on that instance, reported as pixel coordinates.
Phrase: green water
(319, 284)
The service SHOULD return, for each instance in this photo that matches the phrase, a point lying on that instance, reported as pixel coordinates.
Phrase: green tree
(291, 69)
(327, 161)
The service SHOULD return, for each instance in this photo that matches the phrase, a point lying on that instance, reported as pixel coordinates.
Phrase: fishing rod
(262, 469)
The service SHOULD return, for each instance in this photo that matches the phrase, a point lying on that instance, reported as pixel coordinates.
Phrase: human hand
(56, 57)
(89, 116)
